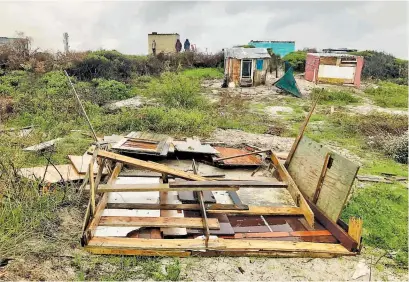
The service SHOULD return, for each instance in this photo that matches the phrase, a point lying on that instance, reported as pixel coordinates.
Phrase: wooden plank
(81, 164)
(131, 221)
(283, 234)
(155, 187)
(92, 187)
(254, 210)
(52, 174)
(305, 169)
(355, 229)
(300, 134)
(150, 165)
(205, 220)
(194, 146)
(114, 174)
(193, 207)
(130, 252)
(269, 254)
(215, 244)
(230, 183)
(42, 146)
(240, 155)
(339, 233)
(321, 178)
(293, 189)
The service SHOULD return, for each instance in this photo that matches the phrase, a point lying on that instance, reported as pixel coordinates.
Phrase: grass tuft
(334, 97)
(389, 95)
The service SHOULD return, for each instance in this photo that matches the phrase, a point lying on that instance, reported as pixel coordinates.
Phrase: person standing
(154, 47)
(187, 45)
(178, 46)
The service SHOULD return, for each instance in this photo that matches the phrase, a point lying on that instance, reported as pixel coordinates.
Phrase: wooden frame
(207, 246)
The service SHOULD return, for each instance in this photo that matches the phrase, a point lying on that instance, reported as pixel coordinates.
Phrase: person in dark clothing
(178, 46)
(154, 47)
(187, 45)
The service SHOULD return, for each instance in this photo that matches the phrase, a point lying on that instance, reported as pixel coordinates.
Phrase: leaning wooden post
(92, 186)
(300, 134)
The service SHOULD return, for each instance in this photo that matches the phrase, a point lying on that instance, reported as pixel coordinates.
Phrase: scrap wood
(246, 160)
(279, 234)
(81, 164)
(194, 207)
(157, 187)
(355, 229)
(241, 155)
(51, 174)
(229, 183)
(380, 179)
(42, 146)
(134, 221)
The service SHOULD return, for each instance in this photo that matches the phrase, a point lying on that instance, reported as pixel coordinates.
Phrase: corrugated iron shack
(334, 68)
(280, 48)
(246, 66)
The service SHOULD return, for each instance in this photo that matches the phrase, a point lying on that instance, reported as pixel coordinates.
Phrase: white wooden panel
(329, 71)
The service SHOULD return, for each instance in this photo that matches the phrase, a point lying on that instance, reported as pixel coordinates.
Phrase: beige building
(165, 42)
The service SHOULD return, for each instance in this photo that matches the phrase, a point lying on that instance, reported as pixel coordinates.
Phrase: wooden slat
(231, 183)
(130, 252)
(293, 189)
(156, 187)
(215, 244)
(300, 134)
(92, 187)
(321, 178)
(255, 210)
(192, 207)
(182, 222)
(150, 165)
(355, 229)
(283, 234)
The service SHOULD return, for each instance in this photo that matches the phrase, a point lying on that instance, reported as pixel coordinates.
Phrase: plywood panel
(51, 174)
(328, 71)
(305, 168)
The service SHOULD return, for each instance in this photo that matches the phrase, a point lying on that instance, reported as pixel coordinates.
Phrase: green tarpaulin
(288, 84)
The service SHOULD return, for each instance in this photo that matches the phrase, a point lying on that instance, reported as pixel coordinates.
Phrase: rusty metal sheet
(248, 224)
(250, 160)
(136, 145)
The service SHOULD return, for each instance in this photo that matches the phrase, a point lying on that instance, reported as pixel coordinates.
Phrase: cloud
(212, 25)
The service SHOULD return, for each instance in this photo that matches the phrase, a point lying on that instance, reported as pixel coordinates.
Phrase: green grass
(204, 73)
(383, 208)
(389, 95)
(334, 97)
(380, 164)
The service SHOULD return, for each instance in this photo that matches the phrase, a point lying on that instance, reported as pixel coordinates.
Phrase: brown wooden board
(81, 164)
(230, 183)
(225, 226)
(249, 160)
(305, 169)
(52, 174)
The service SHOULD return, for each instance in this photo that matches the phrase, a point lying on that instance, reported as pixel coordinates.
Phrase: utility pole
(65, 41)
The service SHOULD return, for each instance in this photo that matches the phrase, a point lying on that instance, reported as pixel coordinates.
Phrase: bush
(334, 97)
(176, 90)
(111, 89)
(397, 148)
(204, 73)
(389, 94)
(379, 65)
(297, 60)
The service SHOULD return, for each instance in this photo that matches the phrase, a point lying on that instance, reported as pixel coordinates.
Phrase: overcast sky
(214, 25)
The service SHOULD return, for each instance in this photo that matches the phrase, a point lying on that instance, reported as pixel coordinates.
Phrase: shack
(334, 68)
(246, 66)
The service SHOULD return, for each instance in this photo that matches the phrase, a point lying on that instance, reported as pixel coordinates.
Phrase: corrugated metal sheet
(246, 53)
(337, 55)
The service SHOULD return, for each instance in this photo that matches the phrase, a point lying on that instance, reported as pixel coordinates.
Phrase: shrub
(334, 97)
(297, 60)
(379, 65)
(389, 94)
(397, 148)
(204, 73)
(175, 90)
(111, 89)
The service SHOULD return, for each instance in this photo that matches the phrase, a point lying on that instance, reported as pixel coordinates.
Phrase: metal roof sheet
(338, 55)
(246, 53)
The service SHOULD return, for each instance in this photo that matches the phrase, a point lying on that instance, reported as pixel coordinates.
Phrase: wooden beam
(92, 187)
(115, 173)
(255, 210)
(300, 134)
(241, 155)
(230, 183)
(156, 187)
(130, 252)
(149, 165)
(205, 220)
(134, 221)
(215, 244)
(355, 229)
(314, 233)
(294, 191)
(321, 178)
(191, 207)
(340, 234)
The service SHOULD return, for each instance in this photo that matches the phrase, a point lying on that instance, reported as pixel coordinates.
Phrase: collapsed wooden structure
(142, 214)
